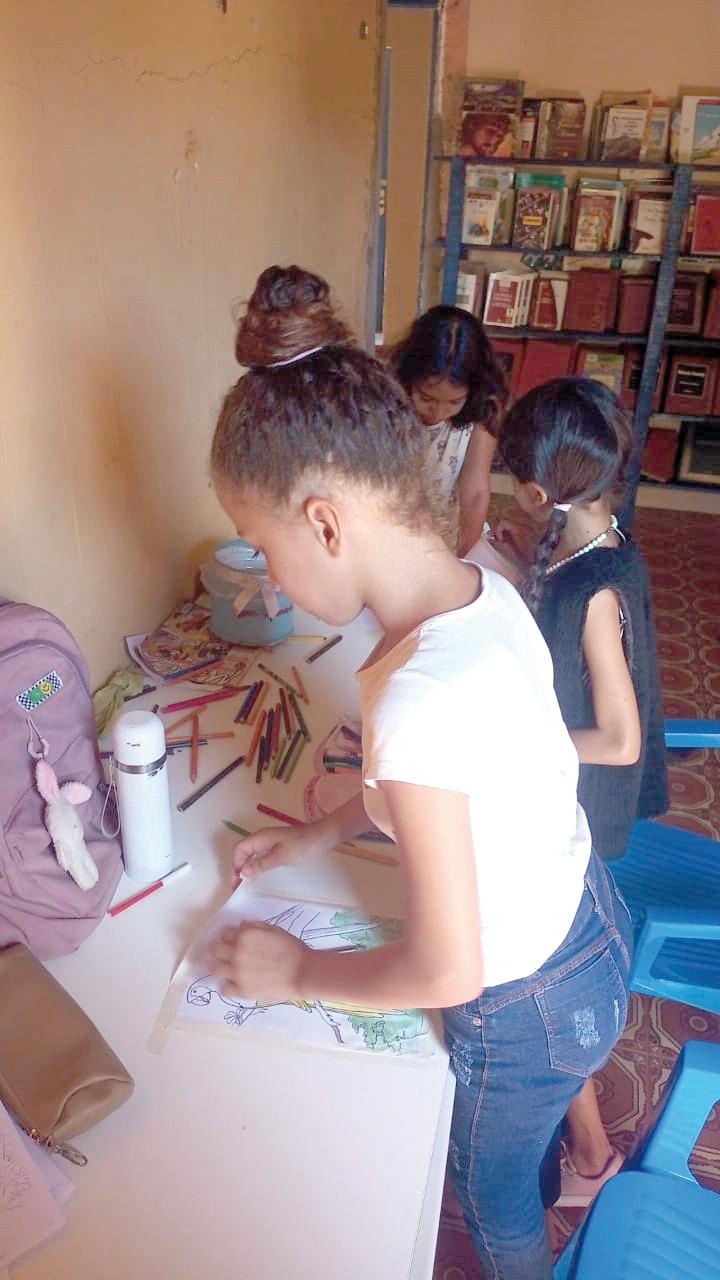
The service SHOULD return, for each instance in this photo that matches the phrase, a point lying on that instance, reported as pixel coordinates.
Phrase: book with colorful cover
(649, 214)
(508, 298)
(480, 210)
(527, 135)
(488, 178)
(184, 644)
(658, 135)
(624, 133)
(547, 305)
(594, 221)
(699, 140)
(537, 207)
(560, 130)
(603, 366)
(490, 118)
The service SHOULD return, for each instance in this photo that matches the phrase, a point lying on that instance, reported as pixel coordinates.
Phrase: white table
(241, 1161)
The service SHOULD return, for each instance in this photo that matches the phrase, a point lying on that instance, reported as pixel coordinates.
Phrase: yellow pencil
(301, 687)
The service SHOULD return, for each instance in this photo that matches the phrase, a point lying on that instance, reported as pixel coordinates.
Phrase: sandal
(576, 1190)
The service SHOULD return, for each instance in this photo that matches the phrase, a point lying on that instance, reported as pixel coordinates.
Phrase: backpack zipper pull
(58, 1148)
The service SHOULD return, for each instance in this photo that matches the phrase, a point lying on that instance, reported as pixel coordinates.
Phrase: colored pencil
(156, 708)
(255, 710)
(285, 710)
(351, 850)
(248, 701)
(305, 639)
(207, 786)
(288, 752)
(233, 826)
(255, 739)
(185, 745)
(277, 716)
(206, 737)
(294, 759)
(325, 648)
(279, 679)
(302, 726)
(194, 748)
(281, 817)
(267, 741)
(218, 696)
(176, 677)
(151, 888)
(301, 687)
(177, 723)
(260, 762)
(149, 688)
(278, 758)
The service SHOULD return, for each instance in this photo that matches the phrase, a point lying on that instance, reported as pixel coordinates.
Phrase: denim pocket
(584, 1015)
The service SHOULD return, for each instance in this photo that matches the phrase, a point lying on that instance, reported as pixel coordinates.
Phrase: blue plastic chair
(670, 879)
(653, 1221)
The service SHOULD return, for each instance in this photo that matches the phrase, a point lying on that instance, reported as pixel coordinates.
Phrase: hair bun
(289, 312)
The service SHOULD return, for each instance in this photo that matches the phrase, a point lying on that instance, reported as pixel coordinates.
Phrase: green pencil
(233, 826)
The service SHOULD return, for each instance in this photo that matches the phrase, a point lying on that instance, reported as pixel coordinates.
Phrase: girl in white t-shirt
(512, 927)
(447, 366)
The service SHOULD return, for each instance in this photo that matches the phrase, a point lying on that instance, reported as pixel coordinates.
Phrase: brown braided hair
(571, 437)
(335, 413)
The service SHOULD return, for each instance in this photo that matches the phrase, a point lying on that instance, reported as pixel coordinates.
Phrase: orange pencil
(194, 748)
(258, 703)
(300, 685)
(191, 715)
(256, 738)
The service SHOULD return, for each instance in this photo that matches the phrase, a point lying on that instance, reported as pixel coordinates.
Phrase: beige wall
(409, 34)
(154, 157)
(619, 44)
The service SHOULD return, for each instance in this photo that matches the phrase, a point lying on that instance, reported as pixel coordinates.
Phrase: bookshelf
(652, 342)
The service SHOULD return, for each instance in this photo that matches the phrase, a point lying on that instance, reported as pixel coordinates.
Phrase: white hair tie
(302, 355)
(562, 506)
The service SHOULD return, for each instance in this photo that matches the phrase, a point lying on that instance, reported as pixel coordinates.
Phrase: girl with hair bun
(457, 387)
(565, 445)
(511, 922)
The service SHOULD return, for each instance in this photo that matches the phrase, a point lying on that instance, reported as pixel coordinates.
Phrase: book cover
(528, 128)
(624, 133)
(560, 129)
(601, 364)
(711, 327)
(659, 458)
(501, 302)
(648, 223)
(479, 214)
(706, 132)
(485, 177)
(687, 303)
(591, 301)
(594, 221)
(658, 135)
(543, 361)
(691, 384)
(635, 299)
(535, 214)
(547, 304)
(705, 236)
(509, 353)
(490, 118)
(470, 287)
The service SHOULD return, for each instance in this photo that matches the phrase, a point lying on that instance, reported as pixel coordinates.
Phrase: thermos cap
(138, 737)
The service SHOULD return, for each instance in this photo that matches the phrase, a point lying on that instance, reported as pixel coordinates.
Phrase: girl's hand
(258, 962)
(278, 847)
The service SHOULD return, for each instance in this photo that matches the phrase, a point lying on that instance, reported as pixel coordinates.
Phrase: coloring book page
(28, 1211)
(195, 1000)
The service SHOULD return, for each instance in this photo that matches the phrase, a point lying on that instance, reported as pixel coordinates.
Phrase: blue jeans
(520, 1053)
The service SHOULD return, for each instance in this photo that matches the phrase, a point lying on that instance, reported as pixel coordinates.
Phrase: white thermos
(140, 766)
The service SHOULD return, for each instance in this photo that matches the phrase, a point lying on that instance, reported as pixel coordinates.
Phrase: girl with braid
(565, 445)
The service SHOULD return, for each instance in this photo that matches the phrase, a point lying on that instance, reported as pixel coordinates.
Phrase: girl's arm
(284, 846)
(474, 487)
(437, 963)
(617, 737)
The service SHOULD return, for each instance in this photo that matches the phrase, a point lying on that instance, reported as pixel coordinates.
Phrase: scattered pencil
(301, 687)
(325, 648)
(302, 726)
(200, 701)
(351, 850)
(248, 702)
(156, 708)
(288, 754)
(149, 688)
(279, 679)
(255, 711)
(280, 756)
(306, 639)
(206, 737)
(281, 817)
(194, 748)
(255, 739)
(277, 716)
(294, 759)
(207, 786)
(171, 728)
(285, 710)
(176, 677)
(233, 826)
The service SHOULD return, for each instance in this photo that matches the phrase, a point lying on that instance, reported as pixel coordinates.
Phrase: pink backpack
(45, 694)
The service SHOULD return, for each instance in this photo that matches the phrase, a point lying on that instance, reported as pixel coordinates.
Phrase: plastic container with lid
(246, 607)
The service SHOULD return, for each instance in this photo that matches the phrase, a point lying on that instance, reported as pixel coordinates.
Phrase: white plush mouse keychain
(64, 825)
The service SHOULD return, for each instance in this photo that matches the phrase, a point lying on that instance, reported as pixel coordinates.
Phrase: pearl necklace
(583, 551)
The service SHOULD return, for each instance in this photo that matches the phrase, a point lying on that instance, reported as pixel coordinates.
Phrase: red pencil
(255, 738)
(199, 701)
(281, 817)
(145, 893)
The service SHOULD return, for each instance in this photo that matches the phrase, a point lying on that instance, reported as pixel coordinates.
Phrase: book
(591, 301)
(632, 372)
(658, 135)
(480, 209)
(687, 303)
(635, 299)
(509, 353)
(508, 298)
(594, 219)
(537, 206)
(561, 124)
(705, 231)
(547, 303)
(488, 178)
(647, 222)
(543, 361)
(699, 137)
(659, 457)
(624, 133)
(528, 128)
(611, 194)
(470, 287)
(490, 118)
(601, 364)
(691, 384)
(711, 327)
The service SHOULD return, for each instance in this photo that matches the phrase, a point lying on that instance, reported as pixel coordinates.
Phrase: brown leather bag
(58, 1076)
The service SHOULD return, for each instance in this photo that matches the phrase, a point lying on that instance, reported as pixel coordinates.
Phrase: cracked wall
(154, 157)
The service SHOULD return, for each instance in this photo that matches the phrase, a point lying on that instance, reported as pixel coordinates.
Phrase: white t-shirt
(466, 703)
